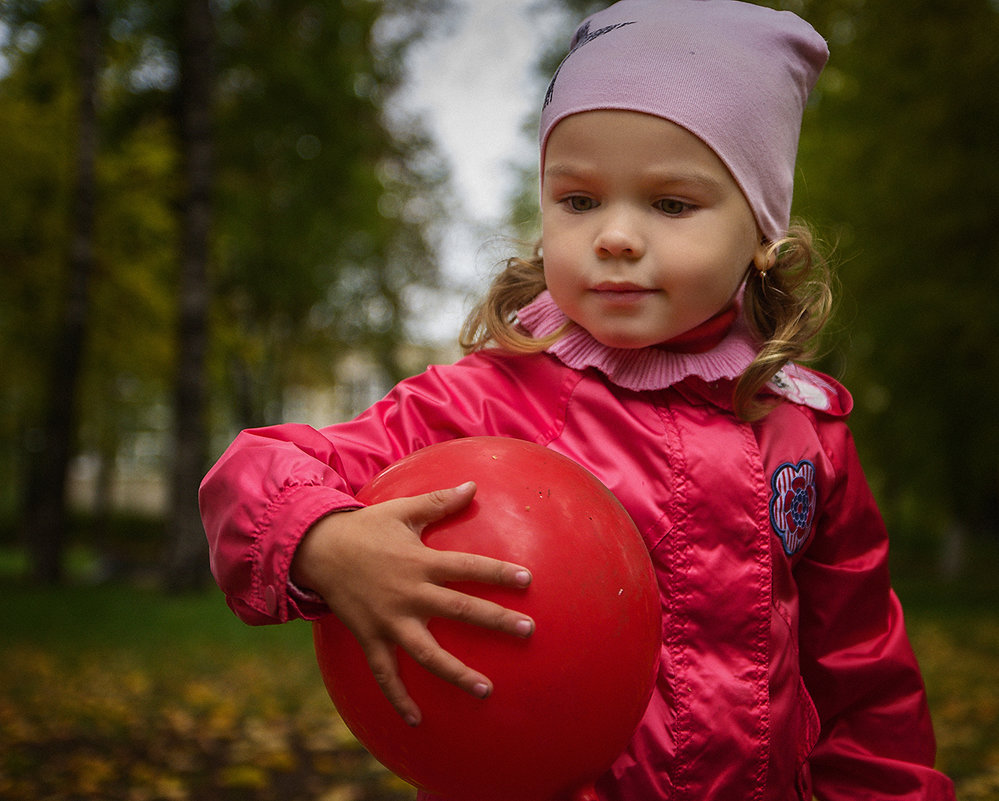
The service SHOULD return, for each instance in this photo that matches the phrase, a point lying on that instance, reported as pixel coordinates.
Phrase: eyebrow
(565, 171)
(694, 178)
(560, 170)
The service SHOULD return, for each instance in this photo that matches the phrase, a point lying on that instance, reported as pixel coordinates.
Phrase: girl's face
(645, 233)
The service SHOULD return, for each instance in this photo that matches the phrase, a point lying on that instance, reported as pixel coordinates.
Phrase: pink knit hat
(734, 74)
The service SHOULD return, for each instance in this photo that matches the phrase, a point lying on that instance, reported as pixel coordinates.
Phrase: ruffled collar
(722, 348)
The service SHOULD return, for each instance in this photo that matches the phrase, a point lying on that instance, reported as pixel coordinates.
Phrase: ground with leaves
(118, 693)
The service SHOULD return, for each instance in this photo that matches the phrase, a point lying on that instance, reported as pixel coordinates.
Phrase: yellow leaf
(246, 777)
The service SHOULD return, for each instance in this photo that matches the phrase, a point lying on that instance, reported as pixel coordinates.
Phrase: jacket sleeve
(876, 739)
(257, 502)
(272, 484)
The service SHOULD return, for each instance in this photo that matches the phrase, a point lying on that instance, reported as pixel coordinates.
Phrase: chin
(622, 342)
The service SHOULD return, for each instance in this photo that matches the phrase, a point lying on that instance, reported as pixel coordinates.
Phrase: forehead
(628, 142)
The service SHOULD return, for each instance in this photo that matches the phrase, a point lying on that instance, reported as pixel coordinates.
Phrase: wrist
(313, 555)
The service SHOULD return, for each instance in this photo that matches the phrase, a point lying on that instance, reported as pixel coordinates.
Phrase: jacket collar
(652, 368)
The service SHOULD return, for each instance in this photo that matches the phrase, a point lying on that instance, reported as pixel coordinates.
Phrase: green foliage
(37, 117)
(322, 208)
(898, 163)
(321, 204)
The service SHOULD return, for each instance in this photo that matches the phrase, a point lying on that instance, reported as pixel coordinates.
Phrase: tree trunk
(186, 561)
(44, 518)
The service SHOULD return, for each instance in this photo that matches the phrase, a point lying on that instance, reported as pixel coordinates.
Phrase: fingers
(459, 566)
(385, 668)
(390, 609)
(447, 567)
(425, 651)
(438, 504)
(449, 603)
(420, 644)
(422, 510)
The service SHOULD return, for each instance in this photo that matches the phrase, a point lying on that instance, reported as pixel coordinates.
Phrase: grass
(954, 628)
(118, 692)
(114, 692)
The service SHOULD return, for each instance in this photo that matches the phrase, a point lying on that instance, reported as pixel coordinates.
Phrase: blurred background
(218, 214)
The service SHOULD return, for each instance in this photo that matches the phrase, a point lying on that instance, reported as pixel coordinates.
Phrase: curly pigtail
(787, 302)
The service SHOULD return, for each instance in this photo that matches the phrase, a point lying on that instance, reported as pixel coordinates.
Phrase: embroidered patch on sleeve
(792, 503)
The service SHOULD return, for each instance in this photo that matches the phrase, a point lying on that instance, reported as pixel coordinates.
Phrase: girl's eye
(672, 206)
(580, 203)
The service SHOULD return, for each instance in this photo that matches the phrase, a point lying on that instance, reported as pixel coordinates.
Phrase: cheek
(557, 281)
(556, 256)
(550, 239)
(728, 281)
(734, 261)
(561, 282)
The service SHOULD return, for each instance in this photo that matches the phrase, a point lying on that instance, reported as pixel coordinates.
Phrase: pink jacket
(785, 665)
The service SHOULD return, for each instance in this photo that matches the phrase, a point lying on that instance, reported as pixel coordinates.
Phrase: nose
(619, 237)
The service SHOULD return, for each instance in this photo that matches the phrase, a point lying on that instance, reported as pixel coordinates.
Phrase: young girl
(652, 340)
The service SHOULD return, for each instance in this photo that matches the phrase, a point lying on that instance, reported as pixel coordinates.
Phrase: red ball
(567, 700)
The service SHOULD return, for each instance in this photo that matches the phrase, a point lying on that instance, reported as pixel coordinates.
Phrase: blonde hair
(787, 301)
(786, 307)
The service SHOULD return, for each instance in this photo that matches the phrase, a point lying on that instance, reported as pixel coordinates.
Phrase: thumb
(438, 504)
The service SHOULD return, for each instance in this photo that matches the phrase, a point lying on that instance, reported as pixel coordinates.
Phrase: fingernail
(524, 628)
(412, 720)
(481, 689)
(468, 485)
(522, 577)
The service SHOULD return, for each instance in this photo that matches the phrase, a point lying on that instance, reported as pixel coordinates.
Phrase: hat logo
(583, 36)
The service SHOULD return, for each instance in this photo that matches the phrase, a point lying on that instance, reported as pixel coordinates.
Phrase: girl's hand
(377, 576)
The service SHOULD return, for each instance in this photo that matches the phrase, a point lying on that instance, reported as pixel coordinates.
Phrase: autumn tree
(898, 166)
(322, 204)
(325, 202)
(44, 515)
(186, 566)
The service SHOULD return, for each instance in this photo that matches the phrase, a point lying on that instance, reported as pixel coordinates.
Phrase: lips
(621, 292)
(614, 286)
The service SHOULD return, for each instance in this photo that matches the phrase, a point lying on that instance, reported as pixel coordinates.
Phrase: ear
(765, 256)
